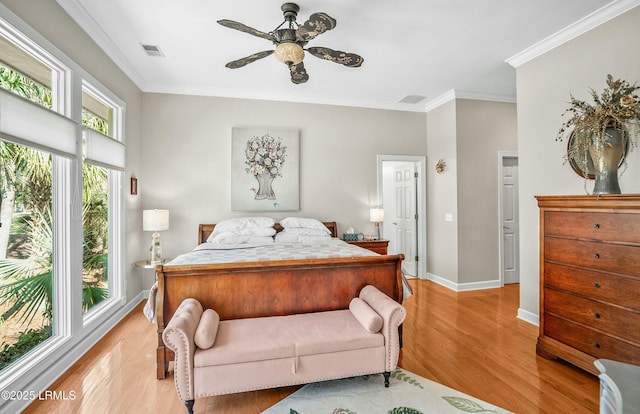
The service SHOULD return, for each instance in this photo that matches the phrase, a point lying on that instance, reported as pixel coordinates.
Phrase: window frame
(117, 294)
(73, 333)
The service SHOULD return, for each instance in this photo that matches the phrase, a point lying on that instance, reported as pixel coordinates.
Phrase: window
(61, 189)
(103, 163)
(26, 244)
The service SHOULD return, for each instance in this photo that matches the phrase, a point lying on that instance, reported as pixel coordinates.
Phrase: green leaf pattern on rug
(466, 405)
(404, 410)
(402, 376)
(397, 374)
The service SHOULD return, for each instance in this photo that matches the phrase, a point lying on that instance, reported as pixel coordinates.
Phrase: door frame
(502, 155)
(421, 198)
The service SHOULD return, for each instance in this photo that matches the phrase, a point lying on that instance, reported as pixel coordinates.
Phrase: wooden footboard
(255, 289)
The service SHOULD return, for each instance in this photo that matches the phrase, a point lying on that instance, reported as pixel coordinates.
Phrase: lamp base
(155, 249)
(376, 234)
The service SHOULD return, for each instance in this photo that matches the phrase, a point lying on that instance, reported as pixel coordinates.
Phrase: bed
(256, 288)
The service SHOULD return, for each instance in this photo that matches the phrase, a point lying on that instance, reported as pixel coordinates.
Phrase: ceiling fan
(290, 38)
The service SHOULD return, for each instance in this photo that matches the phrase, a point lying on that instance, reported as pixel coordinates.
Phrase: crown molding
(492, 97)
(454, 94)
(84, 19)
(440, 100)
(587, 23)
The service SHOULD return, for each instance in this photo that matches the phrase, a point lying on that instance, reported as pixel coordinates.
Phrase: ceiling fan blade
(350, 60)
(317, 24)
(248, 59)
(298, 73)
(244, 28)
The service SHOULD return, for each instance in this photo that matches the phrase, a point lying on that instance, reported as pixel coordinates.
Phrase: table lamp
(376, 215)
(155, 221)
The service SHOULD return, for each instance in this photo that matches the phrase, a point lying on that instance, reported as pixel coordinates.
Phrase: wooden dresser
(590, 278)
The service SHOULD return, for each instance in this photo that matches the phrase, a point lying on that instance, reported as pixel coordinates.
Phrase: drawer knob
(596, 226)
(597, 345)
(597, 255)
(597, 315)
(597, 285)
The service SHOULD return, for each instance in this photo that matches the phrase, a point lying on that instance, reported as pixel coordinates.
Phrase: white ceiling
(434, 48)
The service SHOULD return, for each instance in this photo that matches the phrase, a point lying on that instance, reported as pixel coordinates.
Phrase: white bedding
(207, 253)
(252, 252)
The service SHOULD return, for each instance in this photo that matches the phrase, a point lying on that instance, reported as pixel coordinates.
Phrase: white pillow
(260, 231)
(232, 238)
(308, 223)
(305, 231)
(252, 226)
(284, 237)
(240, 223)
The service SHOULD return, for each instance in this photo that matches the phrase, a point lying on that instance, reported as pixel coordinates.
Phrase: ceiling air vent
(411, 99)
(153, 50)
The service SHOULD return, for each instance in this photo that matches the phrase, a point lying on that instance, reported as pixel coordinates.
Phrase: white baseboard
(40, 378)
(530, 317)
(462, 287)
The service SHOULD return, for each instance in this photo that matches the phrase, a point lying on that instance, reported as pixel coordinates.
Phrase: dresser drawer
(611, 319)
(590, 342)
(594, 255)
(623, 291)
(613, 227)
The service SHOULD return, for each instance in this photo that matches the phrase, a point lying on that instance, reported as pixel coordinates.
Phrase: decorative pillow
(308, 223)
(207, 329)
(367, 317)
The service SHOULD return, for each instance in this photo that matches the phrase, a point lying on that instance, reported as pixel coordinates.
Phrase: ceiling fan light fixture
(289, 53)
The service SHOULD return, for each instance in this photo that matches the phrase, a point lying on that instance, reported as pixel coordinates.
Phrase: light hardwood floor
(470, 341)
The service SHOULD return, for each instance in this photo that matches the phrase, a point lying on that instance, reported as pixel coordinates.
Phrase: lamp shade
(376, 215)
(155, 220)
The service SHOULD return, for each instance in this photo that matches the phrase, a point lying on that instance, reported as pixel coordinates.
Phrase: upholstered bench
(214, 357)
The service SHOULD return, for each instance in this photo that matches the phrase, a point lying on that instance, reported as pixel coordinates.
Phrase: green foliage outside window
(26, 246)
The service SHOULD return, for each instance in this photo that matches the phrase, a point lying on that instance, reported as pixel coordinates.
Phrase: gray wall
(187, 149)
(483, 129)
(442, 193)
(543, 86)
(467, 134)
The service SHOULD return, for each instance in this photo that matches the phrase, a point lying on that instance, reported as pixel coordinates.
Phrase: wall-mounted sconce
(440, 166)
(134, 185)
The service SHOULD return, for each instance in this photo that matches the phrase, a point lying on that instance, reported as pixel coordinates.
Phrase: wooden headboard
(204, 230)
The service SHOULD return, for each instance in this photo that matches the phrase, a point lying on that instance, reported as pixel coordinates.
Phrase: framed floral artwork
(265, 166)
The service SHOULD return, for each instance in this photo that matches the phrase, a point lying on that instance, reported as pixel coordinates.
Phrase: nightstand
(378, 246)
(146, 265)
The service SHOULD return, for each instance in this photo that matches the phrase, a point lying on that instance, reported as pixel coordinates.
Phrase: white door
(405, 220)
(510, 220)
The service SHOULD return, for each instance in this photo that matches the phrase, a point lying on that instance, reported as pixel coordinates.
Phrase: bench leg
(386, 374)
(189, 404)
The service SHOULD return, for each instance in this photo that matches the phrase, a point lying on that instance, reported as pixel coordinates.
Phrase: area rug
(408, 393)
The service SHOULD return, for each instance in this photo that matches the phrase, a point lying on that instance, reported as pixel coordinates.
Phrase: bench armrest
(179, 337)
(392, 314)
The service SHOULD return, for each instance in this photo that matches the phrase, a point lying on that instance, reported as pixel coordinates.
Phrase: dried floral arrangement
(617, 107)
